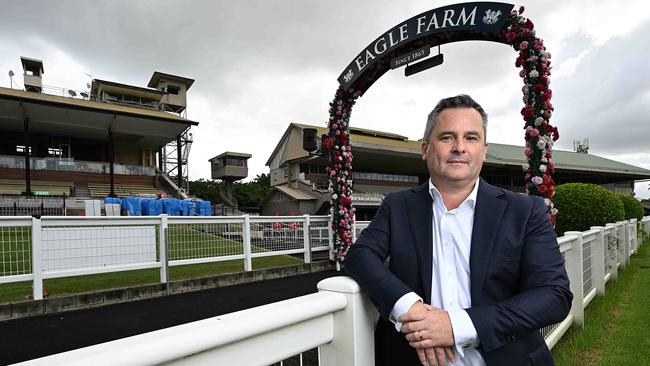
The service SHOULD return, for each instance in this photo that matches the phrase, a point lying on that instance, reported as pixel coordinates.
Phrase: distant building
(110, 140)
(385, 162)
(229, 167)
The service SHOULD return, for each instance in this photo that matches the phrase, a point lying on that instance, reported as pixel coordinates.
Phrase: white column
(306, 237)
(353, 343)
(164, 250)
(574, 271)
(598, 260)
(612, 252)
(634, 236)
(37, 259)
(248, 263)
(625, 232)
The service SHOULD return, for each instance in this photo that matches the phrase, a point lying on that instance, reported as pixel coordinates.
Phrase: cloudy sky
(262, 64)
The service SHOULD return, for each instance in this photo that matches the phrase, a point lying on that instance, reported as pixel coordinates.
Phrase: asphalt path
(25, 339)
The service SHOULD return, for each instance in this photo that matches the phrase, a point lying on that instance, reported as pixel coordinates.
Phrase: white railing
(339, 319)
(33, 249)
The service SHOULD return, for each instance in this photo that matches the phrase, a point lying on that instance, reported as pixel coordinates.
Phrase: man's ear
(425, 146)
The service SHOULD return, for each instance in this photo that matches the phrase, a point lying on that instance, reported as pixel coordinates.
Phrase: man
(474, 270)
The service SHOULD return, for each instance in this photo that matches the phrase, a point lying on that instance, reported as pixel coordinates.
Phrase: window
(54, 151)
(172, 89)
(21, 149)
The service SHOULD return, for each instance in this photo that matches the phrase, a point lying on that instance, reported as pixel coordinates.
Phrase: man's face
(456, 148)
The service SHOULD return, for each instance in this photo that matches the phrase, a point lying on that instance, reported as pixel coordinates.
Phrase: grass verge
(616, 325)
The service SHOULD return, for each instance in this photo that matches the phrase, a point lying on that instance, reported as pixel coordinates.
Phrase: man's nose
(458, 146)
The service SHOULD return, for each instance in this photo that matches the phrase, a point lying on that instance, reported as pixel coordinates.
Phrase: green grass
(185, 242)
(617, 325)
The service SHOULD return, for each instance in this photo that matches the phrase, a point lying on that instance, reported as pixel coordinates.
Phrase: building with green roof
(385, 162)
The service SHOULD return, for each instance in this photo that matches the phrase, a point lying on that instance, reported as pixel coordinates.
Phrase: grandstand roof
(51, 114)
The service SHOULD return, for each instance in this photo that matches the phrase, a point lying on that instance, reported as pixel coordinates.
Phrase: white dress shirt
(450, 279)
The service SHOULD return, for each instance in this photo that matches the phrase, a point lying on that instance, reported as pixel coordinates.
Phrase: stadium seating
(100, 190)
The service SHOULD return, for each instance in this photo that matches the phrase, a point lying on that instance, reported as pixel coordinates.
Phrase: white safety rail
(339, 319)
(33, 249)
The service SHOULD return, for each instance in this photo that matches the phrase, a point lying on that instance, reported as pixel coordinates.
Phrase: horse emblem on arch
(491, 16)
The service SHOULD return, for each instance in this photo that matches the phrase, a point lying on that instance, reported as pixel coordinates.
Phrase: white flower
(533, 74)
(541, 144)
(539, 120)
(542, 168)
(525, 166)
(544, 160)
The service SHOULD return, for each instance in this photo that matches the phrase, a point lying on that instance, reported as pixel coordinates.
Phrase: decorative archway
(411, 40)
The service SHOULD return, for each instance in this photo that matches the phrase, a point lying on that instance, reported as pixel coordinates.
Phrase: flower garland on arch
(337, 147)
(540, 135)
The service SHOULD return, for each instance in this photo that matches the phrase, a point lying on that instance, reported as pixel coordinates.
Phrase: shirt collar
(471, 199)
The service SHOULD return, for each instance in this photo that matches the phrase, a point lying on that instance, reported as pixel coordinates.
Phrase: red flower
(527, 111)
(539, 87)
(343, 137)
(529, 24)
(328, 143)
(511, 36)
(527, 32)
(542, 188)
(521, 9)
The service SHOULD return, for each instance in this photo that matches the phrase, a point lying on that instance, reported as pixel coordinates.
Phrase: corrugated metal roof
(497, 153)
(294, 193)
(90, 104)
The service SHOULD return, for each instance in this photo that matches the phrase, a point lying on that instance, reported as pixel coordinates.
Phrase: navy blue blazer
(517, 276)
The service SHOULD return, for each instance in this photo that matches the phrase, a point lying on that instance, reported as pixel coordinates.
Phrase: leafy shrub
(581, 206)
(633, 208)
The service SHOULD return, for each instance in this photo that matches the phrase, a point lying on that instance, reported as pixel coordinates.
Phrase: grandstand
(61, 146)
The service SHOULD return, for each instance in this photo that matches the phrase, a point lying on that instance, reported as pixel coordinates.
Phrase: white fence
(339, 319)
(33, 249)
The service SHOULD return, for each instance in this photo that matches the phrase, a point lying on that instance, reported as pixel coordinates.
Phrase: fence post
(330, 236)
(353, 343)
(598, 260)
(634, 236)
(612, 252)
(164, 249)
(574, 270)
(306, 237)
(37, 259)
(248, 263)
(625, 228)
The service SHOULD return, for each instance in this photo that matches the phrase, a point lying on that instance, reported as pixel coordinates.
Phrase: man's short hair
(459, 101)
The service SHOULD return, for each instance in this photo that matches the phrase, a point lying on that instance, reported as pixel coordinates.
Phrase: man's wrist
(463, 330)
(402, 306)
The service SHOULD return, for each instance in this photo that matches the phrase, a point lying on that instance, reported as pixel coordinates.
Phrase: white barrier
(339, 319)
(34, 249)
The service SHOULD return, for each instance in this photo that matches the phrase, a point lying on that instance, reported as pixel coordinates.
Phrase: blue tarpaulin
(133, 205)
(204, 208)
(171, 206)
(112, 201)
(151, 207)
(187, 208)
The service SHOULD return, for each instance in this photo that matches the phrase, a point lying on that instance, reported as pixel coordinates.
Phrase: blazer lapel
(487, 214)
(419, 212)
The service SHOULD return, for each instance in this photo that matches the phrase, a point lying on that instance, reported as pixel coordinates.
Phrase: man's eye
(446, 138)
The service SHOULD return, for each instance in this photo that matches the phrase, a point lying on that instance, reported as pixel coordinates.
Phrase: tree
(250, 194)
(207, 190)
